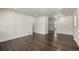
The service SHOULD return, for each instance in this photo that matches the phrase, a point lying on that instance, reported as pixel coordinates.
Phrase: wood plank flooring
(39, 42)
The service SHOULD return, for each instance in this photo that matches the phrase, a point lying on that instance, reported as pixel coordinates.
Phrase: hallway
(39, 42)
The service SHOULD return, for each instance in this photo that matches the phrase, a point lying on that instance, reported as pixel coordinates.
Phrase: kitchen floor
(40, 42)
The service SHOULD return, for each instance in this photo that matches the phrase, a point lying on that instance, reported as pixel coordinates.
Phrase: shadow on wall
(3, 35)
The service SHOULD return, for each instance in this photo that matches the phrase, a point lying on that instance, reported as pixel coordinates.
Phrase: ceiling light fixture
(60, 8)
(14, 8)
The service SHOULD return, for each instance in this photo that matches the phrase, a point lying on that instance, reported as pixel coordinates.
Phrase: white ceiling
(38, 11)
(46, 11)
(67, 11)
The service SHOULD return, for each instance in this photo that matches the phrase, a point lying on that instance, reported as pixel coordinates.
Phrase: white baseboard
(77, 42)
(41, 33)
(11, 38)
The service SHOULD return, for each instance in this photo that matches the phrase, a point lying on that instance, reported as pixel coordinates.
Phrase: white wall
(76, 28)
(41, 25)
(14, 25)
(65, 25)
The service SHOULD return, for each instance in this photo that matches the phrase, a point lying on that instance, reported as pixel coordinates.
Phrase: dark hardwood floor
(39, 42)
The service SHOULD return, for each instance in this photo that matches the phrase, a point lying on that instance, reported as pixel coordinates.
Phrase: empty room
(39, 29)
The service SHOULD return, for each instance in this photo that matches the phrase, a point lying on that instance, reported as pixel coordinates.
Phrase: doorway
(51, 24)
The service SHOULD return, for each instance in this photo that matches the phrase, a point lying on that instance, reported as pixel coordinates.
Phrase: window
(75, 21)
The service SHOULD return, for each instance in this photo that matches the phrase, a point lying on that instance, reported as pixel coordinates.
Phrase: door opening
(51, 24)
